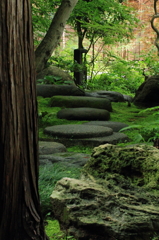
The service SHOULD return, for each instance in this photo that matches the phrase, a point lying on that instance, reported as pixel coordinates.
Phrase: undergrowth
(49, 174)
(53, 231)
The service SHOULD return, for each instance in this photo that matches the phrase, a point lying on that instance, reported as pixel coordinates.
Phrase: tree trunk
(153, 25)
(20, 217)
(53, 35)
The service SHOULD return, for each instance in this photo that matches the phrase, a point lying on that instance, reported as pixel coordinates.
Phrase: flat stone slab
(49, 90)
(79, 101)
(115, 138)
(77, 131)
(69, 159)
(116, 126)
(83, 114)
(51, 147)
(111, 95)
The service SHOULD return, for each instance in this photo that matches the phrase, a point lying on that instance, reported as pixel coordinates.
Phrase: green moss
(53, 231)
(78, 101)
(80, 149)
(138, 164)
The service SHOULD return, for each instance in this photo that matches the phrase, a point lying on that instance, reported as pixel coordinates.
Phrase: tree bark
(154, 17)
(20, 217)
(53, 35)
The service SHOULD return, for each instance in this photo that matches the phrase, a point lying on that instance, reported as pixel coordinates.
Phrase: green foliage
(42, 14)
(121, 75)
(56, 80)
(151, 63)
(48, 176)
(143, 124)
(81, 149)
(53, 231)
(50, 80)
(155, 237)
(146, 133)
(63, 60)
(104, 19)
(66, 63)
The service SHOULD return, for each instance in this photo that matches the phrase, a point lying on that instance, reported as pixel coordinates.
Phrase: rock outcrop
(57, 72)
(116, 197)
(147, 94)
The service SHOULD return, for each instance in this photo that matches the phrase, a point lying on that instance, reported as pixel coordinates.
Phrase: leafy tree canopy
(110, 20)
(42, 14)
(92, 19)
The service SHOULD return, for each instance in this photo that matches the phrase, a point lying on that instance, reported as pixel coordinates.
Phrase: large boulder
(49, 90)
(147, 94)
(78, 102)
(84, 113)
(116, 198)
(57, 72)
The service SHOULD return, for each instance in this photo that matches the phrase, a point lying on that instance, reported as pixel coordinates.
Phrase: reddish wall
(144, 34)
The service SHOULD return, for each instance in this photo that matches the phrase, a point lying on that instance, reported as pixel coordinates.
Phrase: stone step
(84, 135)
(74, 131)
(49, 90)
(79, 101)
(83, 114)
(96, 141)
(50, 147)
(116, 126)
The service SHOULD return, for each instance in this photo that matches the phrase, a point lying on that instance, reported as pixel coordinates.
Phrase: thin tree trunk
(154, 27)
(20, 217)
(53, 35)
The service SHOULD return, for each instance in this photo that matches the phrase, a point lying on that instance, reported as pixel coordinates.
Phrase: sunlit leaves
(109, 20)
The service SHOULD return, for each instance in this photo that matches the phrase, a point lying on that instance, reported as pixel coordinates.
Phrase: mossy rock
(79, 101)
(138, 164)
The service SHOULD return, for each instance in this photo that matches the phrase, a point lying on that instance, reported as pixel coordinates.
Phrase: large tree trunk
(20, 217)
(53, 35)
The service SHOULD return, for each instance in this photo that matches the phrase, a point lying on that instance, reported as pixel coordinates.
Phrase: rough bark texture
(20, 216)
(52, 37)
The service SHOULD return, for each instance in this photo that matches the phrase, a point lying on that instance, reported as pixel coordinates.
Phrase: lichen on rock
(139, 164)
(116, 197)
